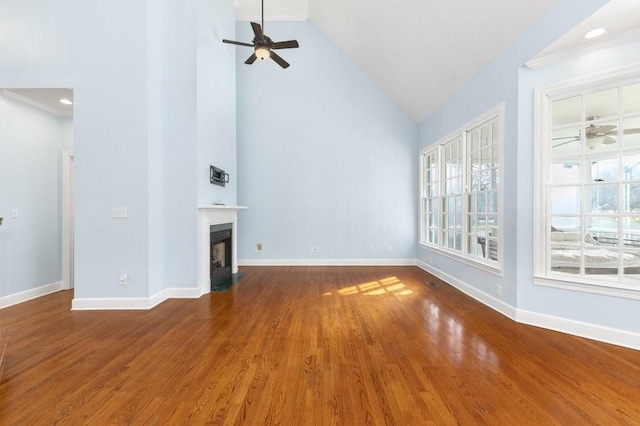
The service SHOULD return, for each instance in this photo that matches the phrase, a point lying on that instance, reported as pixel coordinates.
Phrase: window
(589, 182)
(460, 192)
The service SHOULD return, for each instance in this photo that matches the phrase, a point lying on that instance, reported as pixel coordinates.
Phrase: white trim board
(326, 262)
(482, 297)
(23, 296)
(136, 303)
(590, 331)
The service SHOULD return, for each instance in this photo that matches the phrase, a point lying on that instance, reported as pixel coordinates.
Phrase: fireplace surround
(209, 215)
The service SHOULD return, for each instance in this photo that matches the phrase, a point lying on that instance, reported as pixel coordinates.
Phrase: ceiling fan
(263, 46)
(596, 135)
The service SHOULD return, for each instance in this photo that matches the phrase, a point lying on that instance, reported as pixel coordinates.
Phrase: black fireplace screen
(220, 249)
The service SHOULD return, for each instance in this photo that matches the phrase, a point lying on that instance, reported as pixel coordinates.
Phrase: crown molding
(27, 101)
(543, 61)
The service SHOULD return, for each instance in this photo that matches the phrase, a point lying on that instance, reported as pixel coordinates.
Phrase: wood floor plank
(308, 346)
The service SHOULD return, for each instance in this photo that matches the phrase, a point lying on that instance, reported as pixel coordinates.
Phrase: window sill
(614, 289)
(492, 268)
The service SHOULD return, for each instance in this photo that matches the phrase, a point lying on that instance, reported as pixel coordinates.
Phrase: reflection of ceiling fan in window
(596, 135)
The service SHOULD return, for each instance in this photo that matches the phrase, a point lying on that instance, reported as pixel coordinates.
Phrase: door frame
(67, 220)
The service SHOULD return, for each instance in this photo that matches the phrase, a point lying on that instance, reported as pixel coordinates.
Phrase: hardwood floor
(308, 345)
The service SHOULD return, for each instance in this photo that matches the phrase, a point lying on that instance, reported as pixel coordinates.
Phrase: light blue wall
(30, 180)
(612, 312)
(216, 99)
(133, 66)
(497, 83)
(325, 158)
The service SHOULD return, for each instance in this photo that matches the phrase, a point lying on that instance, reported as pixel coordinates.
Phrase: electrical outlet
(124, 279)
(330, 249)
(390, 248)
(14, 213)
(498, 290)
(315, 249)
(259, 247)
(371, 249)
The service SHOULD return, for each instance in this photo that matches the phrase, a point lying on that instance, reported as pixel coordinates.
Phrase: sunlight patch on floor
(390, 285)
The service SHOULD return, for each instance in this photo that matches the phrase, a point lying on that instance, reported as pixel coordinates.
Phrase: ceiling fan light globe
(262, 52)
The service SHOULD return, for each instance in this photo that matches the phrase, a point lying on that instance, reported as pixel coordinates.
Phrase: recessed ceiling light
(66, 101)
(597, 32)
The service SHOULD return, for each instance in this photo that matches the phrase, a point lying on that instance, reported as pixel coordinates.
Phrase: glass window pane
(472, 203)
(604, 229)
(566, 141)
(473, 246)
(481, 203)
(485, 180)
(486, 156)
(631, 229)
(565, 224)
(604, 169)
(493, 202)
(632, 167)
(566, 171)
(485, 135)
(632, 198)
(631, 98)
(601, 104)
(566, 111)
(631, 132)
(603, 198)
(602, 137)
(474, 139)
(565, 199)
(495, 132)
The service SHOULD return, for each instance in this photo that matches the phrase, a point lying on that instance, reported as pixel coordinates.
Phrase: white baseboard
(590, 331)
(326, 262)
(135, 303)
(613, 336)
(23, 296)
(482, 297)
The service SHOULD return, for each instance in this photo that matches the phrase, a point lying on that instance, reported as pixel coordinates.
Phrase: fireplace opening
(220, 254)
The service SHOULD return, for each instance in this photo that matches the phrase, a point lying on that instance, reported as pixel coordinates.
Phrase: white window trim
(493, 267)
(541, 177)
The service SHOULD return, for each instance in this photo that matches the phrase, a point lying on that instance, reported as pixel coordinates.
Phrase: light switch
(14, 212)
(119, 212)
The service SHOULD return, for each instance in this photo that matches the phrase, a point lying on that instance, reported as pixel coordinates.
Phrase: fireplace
(220, 244)
(216, 214)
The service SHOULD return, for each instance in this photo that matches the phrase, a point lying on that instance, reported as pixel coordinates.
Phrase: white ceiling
(620, 18)
(419, 52)
(45, 99)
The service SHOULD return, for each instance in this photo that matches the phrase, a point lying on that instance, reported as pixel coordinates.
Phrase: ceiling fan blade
(608, 140)
(257, 30)
(251, 59)
(279, 60)
(631, 131)
(575, 138)
(564, 143)
(239, 43)
(290, 44)
(594, 131)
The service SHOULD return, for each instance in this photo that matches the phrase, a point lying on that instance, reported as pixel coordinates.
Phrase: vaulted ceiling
(419, 52)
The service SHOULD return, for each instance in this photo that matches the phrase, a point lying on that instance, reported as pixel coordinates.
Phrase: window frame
(544, 97)
(485, 263)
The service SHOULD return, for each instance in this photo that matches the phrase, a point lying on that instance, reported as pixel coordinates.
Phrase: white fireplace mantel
(214, 214)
